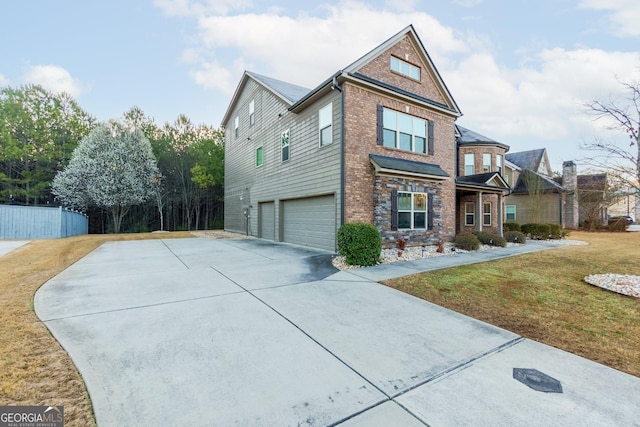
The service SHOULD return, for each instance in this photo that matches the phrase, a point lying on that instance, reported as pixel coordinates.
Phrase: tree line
(40, 133)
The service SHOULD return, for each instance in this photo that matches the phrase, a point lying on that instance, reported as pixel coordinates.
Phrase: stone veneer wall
(383, 185)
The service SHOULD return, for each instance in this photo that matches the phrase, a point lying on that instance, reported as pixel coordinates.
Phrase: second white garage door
(310, 222)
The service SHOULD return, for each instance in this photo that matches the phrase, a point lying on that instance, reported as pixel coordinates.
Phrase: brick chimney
(571, 212)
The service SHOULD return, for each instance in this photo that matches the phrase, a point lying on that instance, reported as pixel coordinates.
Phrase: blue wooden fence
(29, 222)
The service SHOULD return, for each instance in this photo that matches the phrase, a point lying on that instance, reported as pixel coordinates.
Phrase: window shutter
(379, 124)
(430, 212)
(394, 210)
(431, 143)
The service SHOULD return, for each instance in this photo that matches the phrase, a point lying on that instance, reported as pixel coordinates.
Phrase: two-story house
(375, 142)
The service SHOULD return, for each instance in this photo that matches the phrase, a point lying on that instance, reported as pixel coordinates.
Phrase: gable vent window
(252, 113)
(284, 145)
(236, 125)
(404, 68)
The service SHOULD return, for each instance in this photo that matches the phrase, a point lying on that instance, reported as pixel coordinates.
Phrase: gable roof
(351, 73)
(527, 159)
(397, 166)
(488, 181)
(288, 92)
(469, 137)
(547, 184)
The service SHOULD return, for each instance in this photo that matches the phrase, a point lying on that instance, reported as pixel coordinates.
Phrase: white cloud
(53, 78)
(3, 80)
(307, 49)
(198, 8)
(624, 15)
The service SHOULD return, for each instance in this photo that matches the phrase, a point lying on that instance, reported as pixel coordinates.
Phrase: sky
(521, 71)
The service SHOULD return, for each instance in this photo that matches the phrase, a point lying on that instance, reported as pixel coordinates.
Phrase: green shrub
(536, 231)
(511, 226)
(467, 242)
(618, 224)
(515, 237)
(555, 231)
(359, 243)
(490, 238)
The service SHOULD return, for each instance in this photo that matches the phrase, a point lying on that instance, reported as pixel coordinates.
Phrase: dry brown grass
(34, 369)
(542, 296)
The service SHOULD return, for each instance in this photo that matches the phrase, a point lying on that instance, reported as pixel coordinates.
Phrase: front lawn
(542, 296)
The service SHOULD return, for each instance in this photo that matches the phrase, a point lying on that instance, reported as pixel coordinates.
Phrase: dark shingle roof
(547, 184)
(288, 91)
(480, 178)
(402, 165)
(470, 137)
(527, 159)
(592, 182)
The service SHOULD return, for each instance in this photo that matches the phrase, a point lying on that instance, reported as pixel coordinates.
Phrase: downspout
(335, 86)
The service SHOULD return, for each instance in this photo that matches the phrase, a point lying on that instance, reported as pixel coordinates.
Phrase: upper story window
(499, 163)
(469, 164)
(259, 156)
(236, 126)
(284, 145)
(252, 113)
(402, 67)
(325, 119)
(486, 162)
(404, 132)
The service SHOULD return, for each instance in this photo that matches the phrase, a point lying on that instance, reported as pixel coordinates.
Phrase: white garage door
(267, 218)
(310, 222)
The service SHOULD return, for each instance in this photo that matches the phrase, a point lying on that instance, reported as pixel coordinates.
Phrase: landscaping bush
(555, 231)
(490, 238)
(359, 243)
(536, 231)
(515, 237)
(467, 242)
(511, 226)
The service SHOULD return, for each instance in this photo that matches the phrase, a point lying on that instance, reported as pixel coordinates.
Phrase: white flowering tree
(112, 168)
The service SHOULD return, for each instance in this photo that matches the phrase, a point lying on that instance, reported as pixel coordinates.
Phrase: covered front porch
(480, 203)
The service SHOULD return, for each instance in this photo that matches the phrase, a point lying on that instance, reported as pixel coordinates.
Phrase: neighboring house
(535, 197)
(626, 203)
(375, 142)
(594, 197)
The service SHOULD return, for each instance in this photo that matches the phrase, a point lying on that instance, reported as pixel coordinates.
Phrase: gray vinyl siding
(550, 209)
(310, 171)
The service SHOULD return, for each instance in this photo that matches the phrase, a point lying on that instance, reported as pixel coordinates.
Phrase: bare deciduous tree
(623, 116)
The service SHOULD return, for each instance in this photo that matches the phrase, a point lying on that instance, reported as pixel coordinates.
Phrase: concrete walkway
(252, 333)
(7, 246)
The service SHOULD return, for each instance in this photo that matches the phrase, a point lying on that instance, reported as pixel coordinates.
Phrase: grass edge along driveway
(34, 369)
(542, 296)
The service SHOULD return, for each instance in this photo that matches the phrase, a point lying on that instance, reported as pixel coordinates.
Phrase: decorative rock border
(625, 284)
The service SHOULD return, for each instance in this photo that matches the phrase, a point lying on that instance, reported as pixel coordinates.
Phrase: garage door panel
(310, 222)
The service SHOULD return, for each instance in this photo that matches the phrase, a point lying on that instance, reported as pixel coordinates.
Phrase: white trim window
(252, 112)
(510, 212)
(412, 210)
(486, 214)
(325, 120)
(486, 162)
(284, 145)
(469, 164)
(259, 156)
(236, 126)
(404, 68)
(404, 132)
(469, 213)
(499, 163)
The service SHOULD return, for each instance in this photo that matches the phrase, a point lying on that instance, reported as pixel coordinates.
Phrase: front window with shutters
(412, 210)
(406, 132)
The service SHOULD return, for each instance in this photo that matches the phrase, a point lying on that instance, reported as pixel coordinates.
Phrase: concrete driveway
(206, 332)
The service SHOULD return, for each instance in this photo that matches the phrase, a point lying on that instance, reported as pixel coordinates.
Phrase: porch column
(500, 213)
(479, 211)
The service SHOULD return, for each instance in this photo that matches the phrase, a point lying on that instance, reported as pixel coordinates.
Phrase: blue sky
(520, 70)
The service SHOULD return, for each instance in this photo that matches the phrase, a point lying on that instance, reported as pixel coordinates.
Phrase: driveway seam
(141, 306)
(310, 337)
